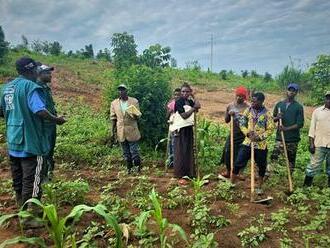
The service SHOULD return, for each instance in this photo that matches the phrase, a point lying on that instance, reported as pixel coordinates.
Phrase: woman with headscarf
(234, 110)
(185, 107)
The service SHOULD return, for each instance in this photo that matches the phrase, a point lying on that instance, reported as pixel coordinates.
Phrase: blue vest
(24, 128)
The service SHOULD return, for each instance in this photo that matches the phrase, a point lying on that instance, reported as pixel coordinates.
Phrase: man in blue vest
(24, 110)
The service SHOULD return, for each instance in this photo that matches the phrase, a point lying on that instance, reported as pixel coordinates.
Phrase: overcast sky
(248, 34)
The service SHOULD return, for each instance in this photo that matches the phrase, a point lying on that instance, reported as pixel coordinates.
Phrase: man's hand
(197, 105)
(312, 148)
(60, 120)
(282, 128)
(231, 112)
(252, 136)
(279, 116)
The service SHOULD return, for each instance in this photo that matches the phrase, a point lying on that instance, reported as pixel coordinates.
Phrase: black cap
(25, 64)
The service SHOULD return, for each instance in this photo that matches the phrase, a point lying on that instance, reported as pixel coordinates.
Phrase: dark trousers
(131, 152)
(49, 158)
(244, 155)
(27, 176)
(225, 158)
(291, 149)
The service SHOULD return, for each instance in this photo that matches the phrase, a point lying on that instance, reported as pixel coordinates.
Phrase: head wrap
(241, 91)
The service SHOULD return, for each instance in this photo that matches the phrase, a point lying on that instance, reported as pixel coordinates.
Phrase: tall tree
(156, 56)
(37, 46)
(55, 48)
(320, 72)
(106, 55)
(124, 50)
(3, 46)
(89, 52)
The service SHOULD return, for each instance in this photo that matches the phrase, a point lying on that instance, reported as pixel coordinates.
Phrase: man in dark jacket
(292, 115)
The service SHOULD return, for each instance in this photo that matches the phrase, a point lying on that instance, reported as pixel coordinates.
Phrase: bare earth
(214, 103)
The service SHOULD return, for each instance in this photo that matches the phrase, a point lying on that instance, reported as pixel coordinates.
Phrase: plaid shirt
(263, 124)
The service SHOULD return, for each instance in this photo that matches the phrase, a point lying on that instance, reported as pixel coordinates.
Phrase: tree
(37, 46)
(254, 74)
(223, 74)
(245, 73)
(89, 52)
(104, 54)
(55, 48)
(290, 74)
(124, 50)
(156, 56)
(3, 46)
(174, 63)
(46, 47)
(320, 75)
(267, 77)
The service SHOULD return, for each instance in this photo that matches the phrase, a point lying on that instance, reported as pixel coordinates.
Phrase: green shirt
(293, 113)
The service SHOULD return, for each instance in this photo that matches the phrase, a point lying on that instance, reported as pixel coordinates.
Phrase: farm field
(211, 213)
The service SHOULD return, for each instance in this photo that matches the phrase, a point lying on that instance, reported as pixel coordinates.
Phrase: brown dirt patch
(67, 87)
(215, 102)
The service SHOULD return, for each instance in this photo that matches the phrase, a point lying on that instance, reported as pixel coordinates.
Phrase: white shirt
(320, 127)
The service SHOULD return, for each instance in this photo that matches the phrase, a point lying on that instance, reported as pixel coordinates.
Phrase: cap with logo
(122, 86)
(25, 64)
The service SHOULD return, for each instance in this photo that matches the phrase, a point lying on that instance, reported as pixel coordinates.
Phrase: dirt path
(214, 103)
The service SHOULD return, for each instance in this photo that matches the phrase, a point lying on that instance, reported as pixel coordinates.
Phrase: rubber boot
(129, 165)
(308, 181)
(137, 162)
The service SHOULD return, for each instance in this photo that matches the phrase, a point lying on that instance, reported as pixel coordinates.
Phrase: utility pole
(211, 58)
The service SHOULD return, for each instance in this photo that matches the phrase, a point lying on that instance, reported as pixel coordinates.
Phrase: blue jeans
(315, 166)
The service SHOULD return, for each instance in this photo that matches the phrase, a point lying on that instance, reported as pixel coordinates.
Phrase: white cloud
(248, 34)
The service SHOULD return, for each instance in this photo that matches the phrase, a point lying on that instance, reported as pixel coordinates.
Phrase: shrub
(320, 73)
(151, 88)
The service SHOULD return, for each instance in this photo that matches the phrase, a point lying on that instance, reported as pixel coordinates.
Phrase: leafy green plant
(198, 183)
(138, 194)
(224, 191)
(140, 222)
(253, 235)
(232, 207)
(280, 219)
(117, 206)
(178, 196)
(95, 230)
(66, 192)
(206, 241)
(31, 241)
